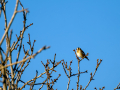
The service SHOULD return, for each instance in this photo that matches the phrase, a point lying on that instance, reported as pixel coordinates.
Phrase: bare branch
(43, 48)
(91, 78)
(15, 12)
(118, 87)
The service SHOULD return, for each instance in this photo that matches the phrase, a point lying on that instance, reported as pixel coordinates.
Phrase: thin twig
(91, 78)
(43, 48)
(24, 22)
(15, 11)
(118, 87)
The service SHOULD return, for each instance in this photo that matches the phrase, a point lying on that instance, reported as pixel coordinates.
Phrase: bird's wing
(82, 52)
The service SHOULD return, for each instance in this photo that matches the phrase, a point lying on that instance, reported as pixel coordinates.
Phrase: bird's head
(78, 49)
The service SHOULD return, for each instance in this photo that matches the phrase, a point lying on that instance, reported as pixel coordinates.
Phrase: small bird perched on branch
(80, 53)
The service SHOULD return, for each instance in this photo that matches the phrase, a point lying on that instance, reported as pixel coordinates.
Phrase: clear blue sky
(65, 25)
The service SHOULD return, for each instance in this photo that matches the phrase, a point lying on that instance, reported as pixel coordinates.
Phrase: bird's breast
(79, 54)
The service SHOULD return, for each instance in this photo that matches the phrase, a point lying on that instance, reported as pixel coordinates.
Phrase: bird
(80, 53)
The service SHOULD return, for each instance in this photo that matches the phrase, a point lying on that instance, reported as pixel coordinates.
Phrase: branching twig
(69, 70)
(57, 63)
(43, 48)
(6, 31)
(91, 78)
(118, 87)
(33, 83)
(79, 67)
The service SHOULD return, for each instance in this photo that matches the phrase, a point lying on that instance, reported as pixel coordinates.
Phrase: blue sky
(65, 25)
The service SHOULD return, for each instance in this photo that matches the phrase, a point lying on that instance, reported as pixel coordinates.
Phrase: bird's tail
(86, 58)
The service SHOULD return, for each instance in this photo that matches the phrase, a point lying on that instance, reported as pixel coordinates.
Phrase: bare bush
(10, 73)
